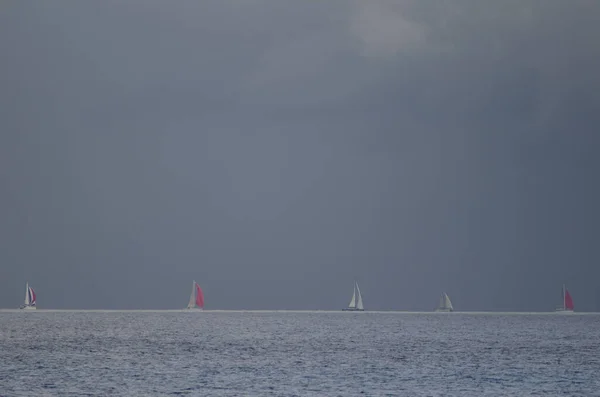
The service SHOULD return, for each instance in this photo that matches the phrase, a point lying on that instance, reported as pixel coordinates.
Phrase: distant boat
(445, 304)
(30, 298)
(356, 303)
(196, 298)
(567, 302)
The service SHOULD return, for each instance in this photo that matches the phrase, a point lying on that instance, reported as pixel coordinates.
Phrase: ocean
(226, 353)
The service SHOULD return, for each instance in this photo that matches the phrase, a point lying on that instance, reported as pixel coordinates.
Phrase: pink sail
(199, 297)
(568, 301)
(32, 293)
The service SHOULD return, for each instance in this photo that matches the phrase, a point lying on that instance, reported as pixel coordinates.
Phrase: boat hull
(28, 308)
(352, 309)
(444, 310)
(563, 311)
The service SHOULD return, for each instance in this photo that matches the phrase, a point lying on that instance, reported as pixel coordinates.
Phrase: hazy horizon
(275, 152)
(308, 311)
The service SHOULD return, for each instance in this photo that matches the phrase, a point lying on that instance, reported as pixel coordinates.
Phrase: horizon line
(8, 310)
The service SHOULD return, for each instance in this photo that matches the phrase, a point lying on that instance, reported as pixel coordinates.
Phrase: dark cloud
(275, 151)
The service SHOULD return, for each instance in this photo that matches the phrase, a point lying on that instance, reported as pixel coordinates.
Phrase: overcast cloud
(275, 150)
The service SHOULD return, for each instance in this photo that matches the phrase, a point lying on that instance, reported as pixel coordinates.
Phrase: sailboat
(196, 298)
(356, 303)
(567, 302)
(30, 298)
(445, 304)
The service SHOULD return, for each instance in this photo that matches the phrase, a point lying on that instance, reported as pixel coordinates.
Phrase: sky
(275, 151)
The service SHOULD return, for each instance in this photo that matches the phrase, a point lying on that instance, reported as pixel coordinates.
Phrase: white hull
(563, 311)
(444, 310)
(352, 309)
(194, 309)
(29, 308)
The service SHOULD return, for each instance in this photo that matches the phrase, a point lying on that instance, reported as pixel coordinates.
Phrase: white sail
(356, 303)
(192, 303)
(30, 300)
(27, 301)
(447, 303)
(359, 305)
(353, 300)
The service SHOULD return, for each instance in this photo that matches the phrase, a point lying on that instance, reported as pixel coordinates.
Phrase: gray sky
(276, 150)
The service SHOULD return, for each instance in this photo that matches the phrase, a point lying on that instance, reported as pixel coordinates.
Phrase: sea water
(297, 354)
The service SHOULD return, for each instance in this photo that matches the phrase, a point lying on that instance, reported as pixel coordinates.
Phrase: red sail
(199, 297)
(32, 296)
(568, 301)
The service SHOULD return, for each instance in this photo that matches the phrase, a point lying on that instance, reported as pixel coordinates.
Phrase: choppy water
(295, 353)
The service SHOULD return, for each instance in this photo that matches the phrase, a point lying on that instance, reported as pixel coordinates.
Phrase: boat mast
(27, 294)
(194, 292)
(352, 304)
(192, 301)
(443, 301)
